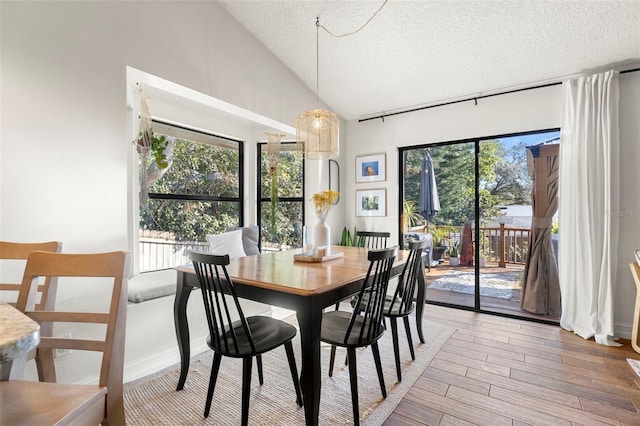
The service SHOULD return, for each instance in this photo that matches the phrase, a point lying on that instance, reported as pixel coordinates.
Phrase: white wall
(66, 131)
(517, 112)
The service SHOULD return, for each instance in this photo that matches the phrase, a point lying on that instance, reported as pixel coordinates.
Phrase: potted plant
(438, 236)
(412, 220)
(454, 253)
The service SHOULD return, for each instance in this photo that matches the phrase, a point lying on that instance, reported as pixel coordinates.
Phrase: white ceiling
(415, 53)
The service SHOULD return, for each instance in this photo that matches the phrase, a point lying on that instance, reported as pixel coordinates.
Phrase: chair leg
(376, 358)
(246, 388)
(353, 379)
(215, 366)
(332, 360)
(294, 371)
(260, 376)
(409, 340)
(396, 346)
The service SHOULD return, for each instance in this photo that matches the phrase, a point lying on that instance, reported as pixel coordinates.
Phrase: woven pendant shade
(317, 130)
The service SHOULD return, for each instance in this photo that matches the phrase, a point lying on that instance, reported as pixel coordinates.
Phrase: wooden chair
(45, 403)
(361, 327)
(10, 251)
(234, 335)
(372, 240)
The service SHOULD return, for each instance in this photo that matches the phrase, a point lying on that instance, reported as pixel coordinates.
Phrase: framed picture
(371, 168)
(371, 202)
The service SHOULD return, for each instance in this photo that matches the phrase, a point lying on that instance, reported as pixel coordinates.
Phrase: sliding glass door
(474, 199)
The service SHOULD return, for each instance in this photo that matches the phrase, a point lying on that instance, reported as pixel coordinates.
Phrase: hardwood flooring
(502, 371)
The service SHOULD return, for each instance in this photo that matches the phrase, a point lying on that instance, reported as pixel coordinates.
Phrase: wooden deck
(493, 304)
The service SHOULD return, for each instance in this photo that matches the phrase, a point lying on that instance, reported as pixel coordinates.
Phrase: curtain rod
(473, 98)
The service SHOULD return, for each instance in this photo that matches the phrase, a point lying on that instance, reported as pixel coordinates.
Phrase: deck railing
(501, 245)
(156, 254)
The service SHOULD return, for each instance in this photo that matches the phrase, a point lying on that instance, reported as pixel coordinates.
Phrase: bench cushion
(151, 285)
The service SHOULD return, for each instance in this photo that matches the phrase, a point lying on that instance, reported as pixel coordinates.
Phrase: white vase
(322, 238)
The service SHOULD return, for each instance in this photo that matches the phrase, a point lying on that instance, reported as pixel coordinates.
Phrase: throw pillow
(227, 243)
(250, 236)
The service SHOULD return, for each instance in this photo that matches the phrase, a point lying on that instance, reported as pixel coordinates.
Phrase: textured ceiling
(416, 53)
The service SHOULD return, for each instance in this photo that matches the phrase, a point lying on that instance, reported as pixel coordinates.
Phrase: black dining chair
(401, 304)
(234, 335)
(362, 327)
(371, 239)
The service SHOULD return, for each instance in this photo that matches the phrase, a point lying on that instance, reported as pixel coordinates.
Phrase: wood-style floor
(501, 371)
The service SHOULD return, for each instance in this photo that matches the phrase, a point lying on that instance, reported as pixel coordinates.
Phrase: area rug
(635, 364)
(498, 285)
(153, 400)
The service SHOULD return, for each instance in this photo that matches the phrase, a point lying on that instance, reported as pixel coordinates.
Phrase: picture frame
(371, 202)
(371, 168)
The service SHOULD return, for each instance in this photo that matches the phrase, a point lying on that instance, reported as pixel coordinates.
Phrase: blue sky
(529, 139)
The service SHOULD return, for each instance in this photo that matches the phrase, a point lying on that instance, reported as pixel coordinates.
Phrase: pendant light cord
(317, 61)
(356, 31)
(318, 26)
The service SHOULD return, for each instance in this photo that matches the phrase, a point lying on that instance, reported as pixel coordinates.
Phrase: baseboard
(160, 361)
(623, 331)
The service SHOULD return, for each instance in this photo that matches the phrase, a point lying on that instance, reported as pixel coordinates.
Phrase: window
(281, 222)
(199, 193)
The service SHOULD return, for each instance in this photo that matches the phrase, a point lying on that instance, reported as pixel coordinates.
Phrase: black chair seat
(335, 326)
(267, 334)
(393, 308)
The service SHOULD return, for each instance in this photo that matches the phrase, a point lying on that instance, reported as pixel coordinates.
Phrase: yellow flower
(322, 201)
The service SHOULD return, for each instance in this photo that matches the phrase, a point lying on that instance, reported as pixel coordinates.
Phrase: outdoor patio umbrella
(429, 201)
(540, 283)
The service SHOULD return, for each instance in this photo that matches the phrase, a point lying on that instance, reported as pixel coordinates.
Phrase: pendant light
(317, 129)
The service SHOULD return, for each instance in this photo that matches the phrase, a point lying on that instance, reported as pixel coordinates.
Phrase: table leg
(421, 300)
(309, 320)
(183, 292)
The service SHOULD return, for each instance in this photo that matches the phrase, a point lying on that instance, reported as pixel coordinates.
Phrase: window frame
(260, 199)
(159, 126)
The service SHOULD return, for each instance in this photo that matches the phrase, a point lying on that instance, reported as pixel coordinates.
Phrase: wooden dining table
(20, 334)
(304, 287)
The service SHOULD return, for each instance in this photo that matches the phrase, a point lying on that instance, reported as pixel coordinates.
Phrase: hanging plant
(273, 157)
(148, 143)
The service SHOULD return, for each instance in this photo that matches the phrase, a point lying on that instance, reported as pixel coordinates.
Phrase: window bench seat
(152, 285)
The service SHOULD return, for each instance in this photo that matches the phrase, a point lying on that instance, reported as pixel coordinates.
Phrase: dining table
(305, 287)
(20, 334)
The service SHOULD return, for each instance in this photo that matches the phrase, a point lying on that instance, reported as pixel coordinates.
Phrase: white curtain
(589, 201)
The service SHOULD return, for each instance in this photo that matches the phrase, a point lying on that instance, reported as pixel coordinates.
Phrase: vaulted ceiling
(415, 53)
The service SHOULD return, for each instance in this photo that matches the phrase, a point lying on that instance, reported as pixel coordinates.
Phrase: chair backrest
(372, 240)
(402, 301)
(20, 252)
(225, 317)
(366, 323)
(113, 265)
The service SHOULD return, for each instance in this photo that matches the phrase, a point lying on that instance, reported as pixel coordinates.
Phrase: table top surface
(19, 334)
(279, 271)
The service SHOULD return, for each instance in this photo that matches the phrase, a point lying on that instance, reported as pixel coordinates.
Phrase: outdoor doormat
(498, 285)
